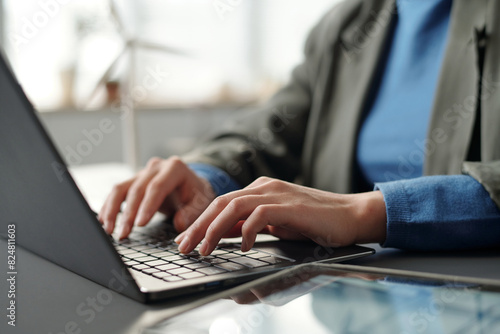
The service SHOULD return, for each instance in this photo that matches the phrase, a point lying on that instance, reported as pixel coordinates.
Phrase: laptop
(52, 219)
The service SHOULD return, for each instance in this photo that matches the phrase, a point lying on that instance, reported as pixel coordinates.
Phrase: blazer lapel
(490, 97)
(355, 60)
(455, 103)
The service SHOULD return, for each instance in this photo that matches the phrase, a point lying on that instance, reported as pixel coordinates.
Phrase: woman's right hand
(168, 186)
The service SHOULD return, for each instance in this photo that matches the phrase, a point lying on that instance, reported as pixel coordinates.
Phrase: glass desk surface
(322, 299)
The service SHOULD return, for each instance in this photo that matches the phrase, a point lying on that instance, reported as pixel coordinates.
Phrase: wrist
(371, 217)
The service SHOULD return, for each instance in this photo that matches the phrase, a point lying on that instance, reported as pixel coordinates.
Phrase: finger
(278, 215)
(237, 209)
(180, 237)
(235, 231)
(284, 233)
(195, 233)
(187, 214)
(134, 198)
(112, 205)
(160, 186)
(197, 230)
(245, 298)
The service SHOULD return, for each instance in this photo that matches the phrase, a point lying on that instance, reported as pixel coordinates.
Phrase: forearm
(371, 221)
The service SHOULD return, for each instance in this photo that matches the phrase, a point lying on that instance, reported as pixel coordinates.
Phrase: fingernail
(179, 238)
(139, 219)
(107, 227)
(124, 232)
(204, 248)
(244, 245)
(184, 245)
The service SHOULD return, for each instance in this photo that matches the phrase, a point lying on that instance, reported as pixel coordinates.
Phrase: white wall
(160, 133)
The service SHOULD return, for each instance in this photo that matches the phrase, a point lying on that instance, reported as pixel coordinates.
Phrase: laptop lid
(39, 197)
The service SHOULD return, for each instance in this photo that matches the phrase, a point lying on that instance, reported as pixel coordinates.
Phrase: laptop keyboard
(158, 256)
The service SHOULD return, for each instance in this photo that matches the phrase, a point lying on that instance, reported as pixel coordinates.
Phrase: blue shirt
(388, 143)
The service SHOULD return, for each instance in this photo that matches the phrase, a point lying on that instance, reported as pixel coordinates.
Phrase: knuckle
(155, 184)
(236, 204)
(261, 212)
(175, 161)
(263, 179)
(246, 230)
(153, 162)
(220, 202)
(134, 189)
(211, 233)
(118, 189)
(275, 184)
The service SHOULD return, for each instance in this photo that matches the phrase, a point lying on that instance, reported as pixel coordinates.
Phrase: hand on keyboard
(168, 186)
(289, 211)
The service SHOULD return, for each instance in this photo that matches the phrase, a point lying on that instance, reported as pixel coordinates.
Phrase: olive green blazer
(308, 131)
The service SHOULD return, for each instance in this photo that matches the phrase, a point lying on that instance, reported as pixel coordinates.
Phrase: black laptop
(53, 220)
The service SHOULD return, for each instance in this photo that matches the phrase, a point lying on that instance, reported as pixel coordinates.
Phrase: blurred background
(124, 80)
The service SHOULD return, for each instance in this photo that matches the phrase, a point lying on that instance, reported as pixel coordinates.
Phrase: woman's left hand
(288, 211)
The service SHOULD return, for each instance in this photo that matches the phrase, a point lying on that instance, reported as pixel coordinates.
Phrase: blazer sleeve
(268, 141)
(486, 173)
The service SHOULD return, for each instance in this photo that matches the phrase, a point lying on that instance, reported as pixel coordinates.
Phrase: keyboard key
(161, 274)
(134, 255)
(258, 255)
(163, 254)
(128, 243)
(214, 260)
(169, 266)
(172, 279)
(178, 271)
(211, 270)
(170, 245)
(192, 274)
(154, 251)
(156, 263)
(249, 262)
(230, 266)
(150, 270)
(228, 256)
(140, 267)
(197, 265)
(230, 247)
(145, 258)
(125, 251)
(142, 247)
(131, 263)
(185, 261)
(172, 257)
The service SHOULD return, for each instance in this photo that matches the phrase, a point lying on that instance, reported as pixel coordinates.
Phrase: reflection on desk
(321, 300)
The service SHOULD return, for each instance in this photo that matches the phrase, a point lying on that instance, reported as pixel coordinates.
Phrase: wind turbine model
(130, 48)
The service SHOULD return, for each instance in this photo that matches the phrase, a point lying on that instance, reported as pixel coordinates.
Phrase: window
(204, 52)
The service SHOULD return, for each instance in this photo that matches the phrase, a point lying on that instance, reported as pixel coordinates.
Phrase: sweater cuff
(220, 181)
(398, 210)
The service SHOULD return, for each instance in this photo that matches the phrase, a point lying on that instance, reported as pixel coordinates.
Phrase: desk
(48, 295)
